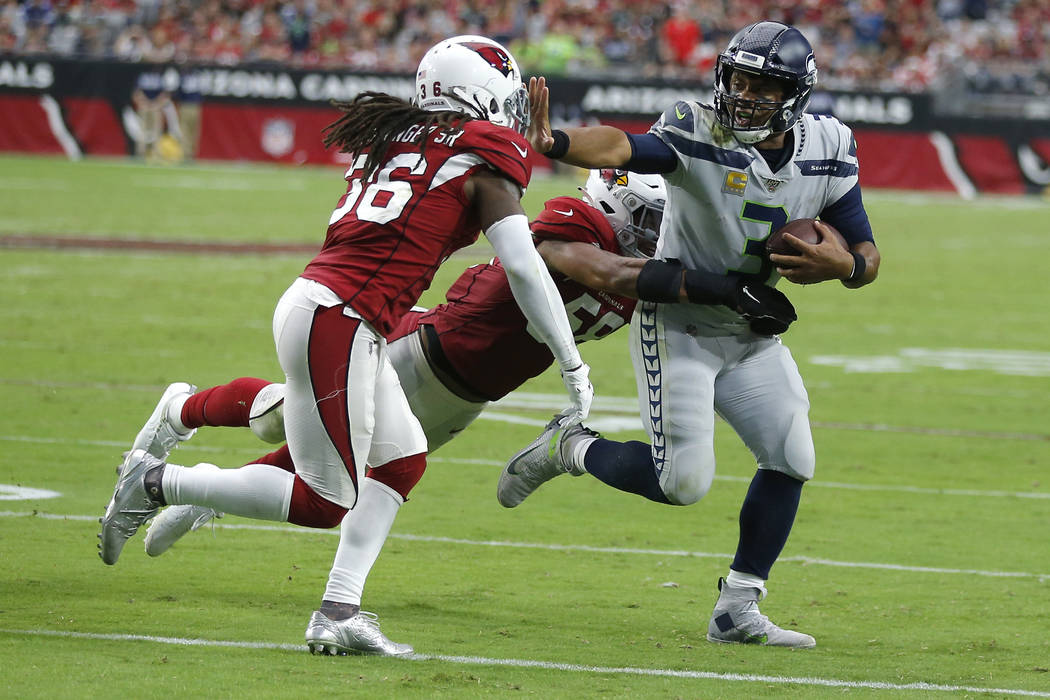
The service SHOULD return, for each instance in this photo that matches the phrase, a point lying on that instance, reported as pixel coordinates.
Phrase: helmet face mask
(759, 57)
(633, 204)
(476, 76)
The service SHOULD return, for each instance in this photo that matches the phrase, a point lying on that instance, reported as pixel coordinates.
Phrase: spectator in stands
(994, 44)
(681, 35)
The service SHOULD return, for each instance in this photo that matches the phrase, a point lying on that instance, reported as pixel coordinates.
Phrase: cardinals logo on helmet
(496, 57)
(614, 177)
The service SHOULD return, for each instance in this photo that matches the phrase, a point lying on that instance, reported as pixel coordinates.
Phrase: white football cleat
(172, 523)
(543, 459)
(357, 634)
(736, 620)
(158, 436)
(130, 506)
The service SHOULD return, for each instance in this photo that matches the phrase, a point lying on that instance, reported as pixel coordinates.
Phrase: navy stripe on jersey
(830, 167)
(849, 217)
(705, 151)
(649, 154)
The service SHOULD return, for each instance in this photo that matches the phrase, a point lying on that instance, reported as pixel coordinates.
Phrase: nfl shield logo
(278, 137)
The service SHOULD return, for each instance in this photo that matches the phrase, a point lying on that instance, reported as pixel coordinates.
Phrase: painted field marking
(904, 488)
(408, 537)
(553, 665)
(11, 492)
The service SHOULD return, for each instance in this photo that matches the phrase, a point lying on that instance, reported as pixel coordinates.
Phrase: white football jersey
(723, 200)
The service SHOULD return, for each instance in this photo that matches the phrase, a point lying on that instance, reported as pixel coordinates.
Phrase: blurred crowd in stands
(912, 45)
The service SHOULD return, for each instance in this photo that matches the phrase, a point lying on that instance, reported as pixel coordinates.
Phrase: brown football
(803, 229)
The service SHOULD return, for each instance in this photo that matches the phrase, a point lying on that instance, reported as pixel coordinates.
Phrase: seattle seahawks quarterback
(736, 171)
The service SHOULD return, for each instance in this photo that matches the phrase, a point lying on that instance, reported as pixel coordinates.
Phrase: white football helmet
(634, 205)
(475, 75)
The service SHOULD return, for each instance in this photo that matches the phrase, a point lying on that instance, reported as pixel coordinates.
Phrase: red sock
(279, 458)
(226, 404)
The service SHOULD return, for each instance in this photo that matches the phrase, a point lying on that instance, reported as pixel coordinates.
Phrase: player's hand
(539, 131)
(581, 393)
(815, 262)
(767, 310)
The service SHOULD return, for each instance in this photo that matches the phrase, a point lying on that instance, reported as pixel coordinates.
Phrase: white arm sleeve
(533, 287)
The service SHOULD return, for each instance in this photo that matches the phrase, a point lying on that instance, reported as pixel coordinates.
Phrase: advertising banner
(275, 114)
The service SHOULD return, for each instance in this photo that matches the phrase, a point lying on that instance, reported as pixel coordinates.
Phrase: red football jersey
(388, 235)
(485, 336)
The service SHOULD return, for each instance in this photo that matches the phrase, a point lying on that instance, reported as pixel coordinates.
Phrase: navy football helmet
(770, 50)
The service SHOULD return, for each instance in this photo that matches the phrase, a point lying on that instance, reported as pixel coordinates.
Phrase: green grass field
(920, 559)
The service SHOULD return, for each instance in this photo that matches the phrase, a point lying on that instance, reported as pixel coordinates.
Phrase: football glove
(766, 309)
(581, 393)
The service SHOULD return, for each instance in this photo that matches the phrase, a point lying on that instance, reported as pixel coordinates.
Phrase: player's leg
(175, 522)
(675, 370)
(326, 356)
(398, 450)
(182, 409)
(675, 375)
(442, 414)
(236, 404)
(764, 400)
(308, 337)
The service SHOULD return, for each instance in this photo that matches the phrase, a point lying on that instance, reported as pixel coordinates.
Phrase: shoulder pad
(572, 219)
(505, 150)
(679, 115)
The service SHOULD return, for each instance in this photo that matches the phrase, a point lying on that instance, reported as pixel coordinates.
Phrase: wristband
(709, 288)
(659, 280)
(860, 265)
(561, 145)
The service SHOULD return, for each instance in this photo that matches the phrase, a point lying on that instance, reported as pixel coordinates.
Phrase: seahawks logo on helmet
(494, 55)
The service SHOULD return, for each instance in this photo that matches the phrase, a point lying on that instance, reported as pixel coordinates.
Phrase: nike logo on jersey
(563, 213)
(678, 113)
(521, 151)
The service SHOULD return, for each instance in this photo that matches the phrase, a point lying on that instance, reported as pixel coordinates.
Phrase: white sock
(579, 449)
(363, 532)
(174, 413)
(260, 491)
(737, 579)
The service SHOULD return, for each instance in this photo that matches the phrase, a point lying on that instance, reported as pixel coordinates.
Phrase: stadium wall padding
(274, 114)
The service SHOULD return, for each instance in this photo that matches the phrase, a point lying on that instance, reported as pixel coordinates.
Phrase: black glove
(767, 310)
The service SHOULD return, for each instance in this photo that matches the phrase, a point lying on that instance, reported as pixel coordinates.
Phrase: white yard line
(553, 665)
(575, 547)
(899, 488)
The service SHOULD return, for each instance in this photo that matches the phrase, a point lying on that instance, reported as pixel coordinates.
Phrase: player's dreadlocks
(373, 119)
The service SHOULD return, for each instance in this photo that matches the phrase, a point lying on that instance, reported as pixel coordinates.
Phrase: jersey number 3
(772, 218)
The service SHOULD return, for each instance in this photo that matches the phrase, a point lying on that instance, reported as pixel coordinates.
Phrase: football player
(454, 359)
(736, 171)
(425, 179)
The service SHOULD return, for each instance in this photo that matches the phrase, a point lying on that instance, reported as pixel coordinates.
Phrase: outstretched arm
(507, 228)
(589, 146)
(768, 310)
(593, 267)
